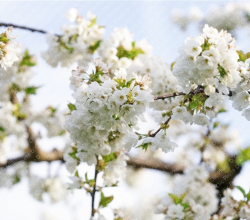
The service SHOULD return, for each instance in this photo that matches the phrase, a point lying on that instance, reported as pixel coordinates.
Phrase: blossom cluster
(212, 64)
(78, 42)
(162, 79)
(185, 201)
(54, 187)
(229, 17)
(233, 209)
(106, 111)
(122, 50)
(209, 60)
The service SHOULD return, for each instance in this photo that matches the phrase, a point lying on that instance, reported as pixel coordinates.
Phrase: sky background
(150, 20)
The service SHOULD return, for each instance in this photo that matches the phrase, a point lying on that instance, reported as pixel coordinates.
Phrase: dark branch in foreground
(24, 28)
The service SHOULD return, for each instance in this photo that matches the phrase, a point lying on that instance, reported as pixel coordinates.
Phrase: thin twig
(206, 137)
(93, 194)
(24, 28)
(160, 128)
(199, 89)
(169, 95)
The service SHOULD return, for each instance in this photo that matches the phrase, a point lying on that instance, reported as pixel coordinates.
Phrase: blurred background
(146, 19)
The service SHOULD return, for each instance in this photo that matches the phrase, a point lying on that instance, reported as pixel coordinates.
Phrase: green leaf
(92, 22)
(194, 104)
(2, 129)
(31, 90)
(216, 124)
(4, 39)
(185, 205)
(172, 66)
(86, 177)
(183, 196)
(71, 107)
(144, 146)
(222, 71)
(243, 156)
(73, 154)
(105, 200)
(27, 61)
(130, 82)
(16, 179)
(242, 56)
(222, 110)
(248, 55)
(175, 198)
(248, 196)
(110, 157)
(121, 52)
(121, 82)
(242, 191)
(94, 47)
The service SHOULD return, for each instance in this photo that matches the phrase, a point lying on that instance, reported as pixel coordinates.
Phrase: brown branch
(169, 95)
(34, 153)
(154, 164)
(220, 178)
(199, 89)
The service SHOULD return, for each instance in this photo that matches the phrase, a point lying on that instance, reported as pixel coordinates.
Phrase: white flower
(246, 113)
(121, 73)
(130, 140)
(72, 14)
(120, 96)
(162, 141)
(175, 211)
(198, 172)
(181, 113)
(201, 119)
(193, 46)
(209, 90)
(244, 212)
(241, 100)
(214, 99)
(212, 54)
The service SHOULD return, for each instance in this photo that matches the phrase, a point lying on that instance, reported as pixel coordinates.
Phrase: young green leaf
(71, 107)
(242, 191)
(105, 200)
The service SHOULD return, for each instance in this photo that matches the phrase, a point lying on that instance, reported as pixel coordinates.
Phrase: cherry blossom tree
(119, 88)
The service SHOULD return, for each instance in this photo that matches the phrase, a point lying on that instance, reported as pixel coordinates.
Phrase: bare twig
(93, 193)
(159, 129)
(2, 24)
(22, 27)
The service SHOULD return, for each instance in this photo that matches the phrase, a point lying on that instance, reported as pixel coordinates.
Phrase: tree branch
(220, 178)
(93, 193)
(199, 89)
(169, 95)
(160, 128)
(2, 24)
(23, 27)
